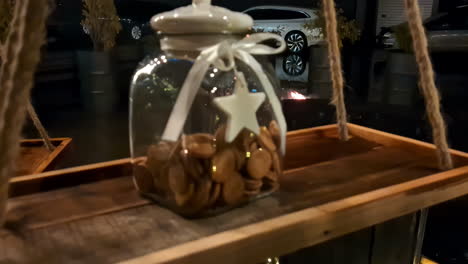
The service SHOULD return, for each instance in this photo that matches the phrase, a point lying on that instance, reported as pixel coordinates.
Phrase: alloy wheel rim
(136, 32)
(295, 42)
(294, 65)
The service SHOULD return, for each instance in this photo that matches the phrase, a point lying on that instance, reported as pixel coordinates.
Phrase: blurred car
(445, 32)
(132, 29)
(66, 32)
(289, 23)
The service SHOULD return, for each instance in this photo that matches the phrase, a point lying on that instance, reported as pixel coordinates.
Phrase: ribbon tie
(223, 56)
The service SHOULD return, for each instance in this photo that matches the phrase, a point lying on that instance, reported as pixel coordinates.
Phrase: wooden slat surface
(74, 203)
(52, 180)
(34, 156)
(316, 203)
(150, 225)
(319, 145)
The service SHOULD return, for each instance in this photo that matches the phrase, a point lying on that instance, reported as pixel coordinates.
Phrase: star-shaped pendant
(241, 108)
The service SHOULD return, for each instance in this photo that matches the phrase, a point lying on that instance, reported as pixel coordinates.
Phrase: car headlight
(389, 40)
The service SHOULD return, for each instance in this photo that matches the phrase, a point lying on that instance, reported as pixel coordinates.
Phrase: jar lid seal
(201, 17)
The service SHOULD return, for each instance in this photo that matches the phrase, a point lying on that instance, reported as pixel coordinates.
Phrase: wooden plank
(407, 144)
(30, 159)
(311, 226)
(48, 164)
(350, 249)
(321, 144)
(427, 261)
(35, 158)
(298, 142)
(161, 229)
(375, 169)
(299, 188)
(74, 203)
(46, 181)
(316, 203)
(394, 241)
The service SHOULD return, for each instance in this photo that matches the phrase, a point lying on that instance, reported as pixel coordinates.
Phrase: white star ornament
(241, 108)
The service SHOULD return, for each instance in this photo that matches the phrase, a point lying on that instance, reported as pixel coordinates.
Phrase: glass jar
(204, 136)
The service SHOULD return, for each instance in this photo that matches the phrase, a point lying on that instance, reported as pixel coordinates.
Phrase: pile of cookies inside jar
(202, 174)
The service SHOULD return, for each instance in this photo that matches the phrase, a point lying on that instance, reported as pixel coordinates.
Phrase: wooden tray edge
(380, 137)
(308, 227)
(377, 136)
(29, 184)
(64, 143)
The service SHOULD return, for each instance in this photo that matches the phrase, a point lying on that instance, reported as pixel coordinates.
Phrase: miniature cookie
(142, 177)
(182, 198)
(246, 137)
(253, 147)
(214, 194)
(271, 176)
(159, 154)
(201, 196)
(161, 180)
(275, 132)
(241, 157)
(199, 145)
(259, 163)
(277, 166)
(233, 189)
(223, 164)
(252, 184)
(252, 193)
(220, 137)
(178, 180)
(193, 167)
(265, 139)
(270, 181)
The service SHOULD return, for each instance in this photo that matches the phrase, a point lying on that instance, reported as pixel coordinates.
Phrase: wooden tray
(331, 188)
(35, 158)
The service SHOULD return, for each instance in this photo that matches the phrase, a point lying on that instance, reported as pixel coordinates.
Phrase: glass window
(455, 20)
(273, 14)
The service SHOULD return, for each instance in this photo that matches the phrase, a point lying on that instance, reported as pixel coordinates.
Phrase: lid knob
(198, 2)
(200, 18)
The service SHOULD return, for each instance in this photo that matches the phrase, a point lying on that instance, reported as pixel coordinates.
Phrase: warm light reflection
(274, 260)
(296, 96)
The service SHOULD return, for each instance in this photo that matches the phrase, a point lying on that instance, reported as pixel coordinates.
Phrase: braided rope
(22, 54)
(427, 84)
(334, 57)
(40, 128)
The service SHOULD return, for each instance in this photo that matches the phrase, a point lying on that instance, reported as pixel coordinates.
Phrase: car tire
(136, 32)
(296, 41)
(85, 29)
(294, 64)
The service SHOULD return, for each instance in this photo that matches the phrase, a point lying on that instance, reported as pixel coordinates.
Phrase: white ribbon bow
(222, 56)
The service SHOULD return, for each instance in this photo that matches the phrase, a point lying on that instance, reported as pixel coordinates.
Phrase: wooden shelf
(331, 188)
(35, 157)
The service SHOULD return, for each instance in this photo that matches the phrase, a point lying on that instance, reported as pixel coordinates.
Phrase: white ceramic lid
(201, 17)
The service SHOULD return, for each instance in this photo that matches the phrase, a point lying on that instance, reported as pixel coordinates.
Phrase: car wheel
(294, 65)
(136, 32)
(85, 29)
(296, 41)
